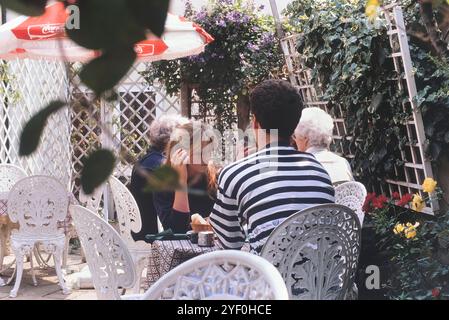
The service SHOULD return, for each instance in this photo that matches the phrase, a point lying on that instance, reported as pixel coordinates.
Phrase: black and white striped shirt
(264, 189)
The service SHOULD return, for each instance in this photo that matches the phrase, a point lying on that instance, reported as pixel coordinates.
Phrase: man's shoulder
(244, 162)
(254, 159)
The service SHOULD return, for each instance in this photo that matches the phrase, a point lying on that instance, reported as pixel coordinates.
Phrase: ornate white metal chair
(129, 220)
(110, 262)
(351, 194)
(9, 175)
(37, 203)
(316, 251)
(91, 202)
(221, 275)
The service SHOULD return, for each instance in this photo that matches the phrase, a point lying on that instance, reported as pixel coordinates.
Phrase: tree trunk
(243, 112)
(186, 103)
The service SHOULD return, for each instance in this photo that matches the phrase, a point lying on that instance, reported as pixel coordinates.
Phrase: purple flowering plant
(245, 52)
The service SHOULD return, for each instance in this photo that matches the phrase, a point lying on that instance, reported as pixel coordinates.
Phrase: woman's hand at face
(179, 162)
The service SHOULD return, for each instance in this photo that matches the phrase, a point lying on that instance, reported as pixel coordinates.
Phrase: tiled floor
(47, 284)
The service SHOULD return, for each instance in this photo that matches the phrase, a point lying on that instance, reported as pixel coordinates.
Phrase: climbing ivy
(348, 54)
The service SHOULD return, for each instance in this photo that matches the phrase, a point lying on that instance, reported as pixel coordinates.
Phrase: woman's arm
(174, 210)
(179, 163)
(170, 218)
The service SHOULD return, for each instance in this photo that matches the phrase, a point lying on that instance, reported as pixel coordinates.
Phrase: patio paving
(47, 283)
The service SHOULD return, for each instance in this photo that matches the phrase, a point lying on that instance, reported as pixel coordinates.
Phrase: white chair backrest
(316, 251)
(221, 275)
(351, 194)
(38, 203)
(108, 257)
(128, 213)
(92, 201)
(9, 175)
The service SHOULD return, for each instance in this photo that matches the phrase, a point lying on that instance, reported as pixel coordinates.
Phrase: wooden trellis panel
(416, 165)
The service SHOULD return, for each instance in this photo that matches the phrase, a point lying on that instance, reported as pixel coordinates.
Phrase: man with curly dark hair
(265, 188)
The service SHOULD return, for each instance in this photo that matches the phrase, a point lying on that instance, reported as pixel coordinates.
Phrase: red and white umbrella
(44, 37)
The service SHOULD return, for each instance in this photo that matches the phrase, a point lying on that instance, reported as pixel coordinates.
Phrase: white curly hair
(317, 126)
(161, 129)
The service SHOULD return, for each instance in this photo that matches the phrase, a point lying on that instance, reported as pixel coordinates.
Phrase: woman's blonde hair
(195, 137)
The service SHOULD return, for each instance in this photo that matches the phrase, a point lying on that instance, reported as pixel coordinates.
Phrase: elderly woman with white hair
(159, 134)
(314, 135)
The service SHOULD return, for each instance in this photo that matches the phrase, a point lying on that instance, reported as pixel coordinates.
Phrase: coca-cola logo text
(46, 31)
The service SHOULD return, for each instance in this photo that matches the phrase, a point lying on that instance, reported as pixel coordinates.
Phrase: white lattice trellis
(416, 165)
(127, 119)
(300, 76)
(26, 86)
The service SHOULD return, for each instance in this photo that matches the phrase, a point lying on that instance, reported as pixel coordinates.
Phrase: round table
(168, 254)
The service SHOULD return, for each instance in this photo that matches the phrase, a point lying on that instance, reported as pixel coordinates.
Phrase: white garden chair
(352, 194)
(91, 202)
(9, 175)
(38, 203)
(110, 262)
(129, 220)
(220, 275)
(316, 251)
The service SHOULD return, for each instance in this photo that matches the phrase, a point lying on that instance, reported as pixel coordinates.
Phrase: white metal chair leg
(65, 254)
(38, 257)
(83, 255)
(11, 278)
(140, 265)
(19, 270)
(57, 256)
(3, 239)
(33, 272)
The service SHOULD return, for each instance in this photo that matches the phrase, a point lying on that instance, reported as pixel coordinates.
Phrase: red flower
(396, 195)
(435, 292)
(380, 201)
(406, 198)
(367, 204)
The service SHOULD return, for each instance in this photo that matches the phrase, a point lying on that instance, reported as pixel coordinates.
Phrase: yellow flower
(409, 225)
(410, 233)
(398, 228)
(429, 185)
(418, 203)
(372, 9)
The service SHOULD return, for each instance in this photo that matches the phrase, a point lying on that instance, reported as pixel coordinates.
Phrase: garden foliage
(244, 53)
(348, 55)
